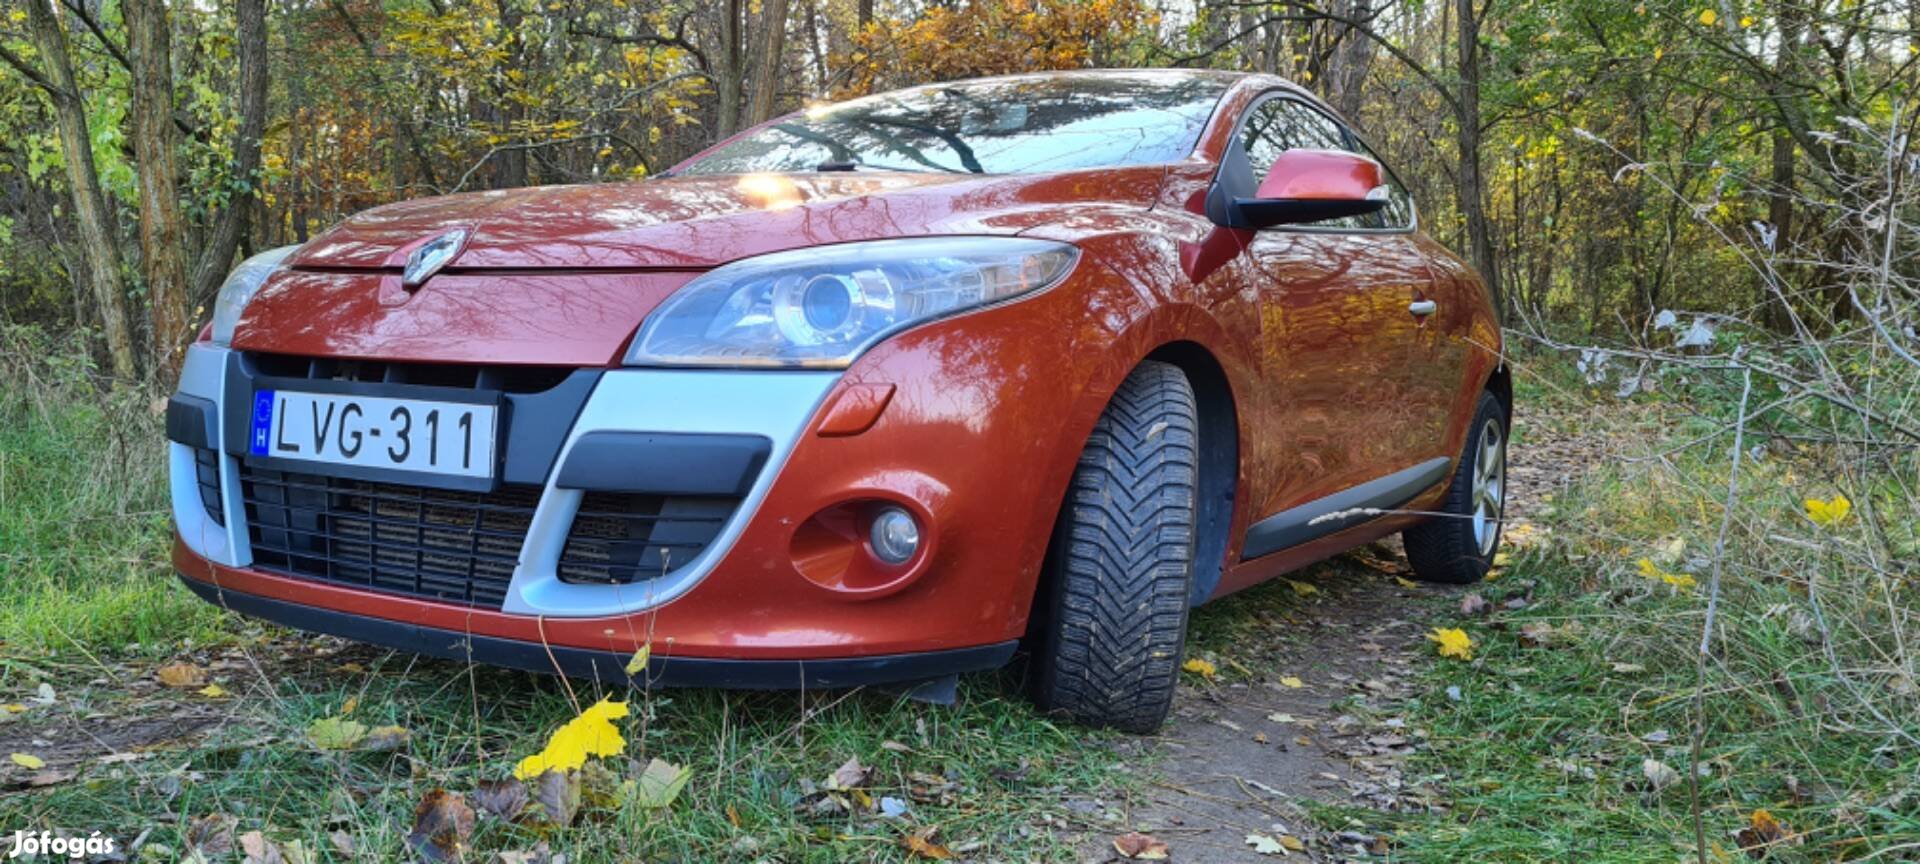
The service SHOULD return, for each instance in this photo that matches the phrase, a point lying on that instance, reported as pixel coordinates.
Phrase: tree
(223, 240)
(162, 227)
(766, 81)
(98, 242)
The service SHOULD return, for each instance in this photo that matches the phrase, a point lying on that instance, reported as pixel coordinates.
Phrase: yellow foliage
(1829, 514)
(1199, 667)
(1707, 17)
(590, 734)
(1678, 580)
(1000, 37)
(1452, 642)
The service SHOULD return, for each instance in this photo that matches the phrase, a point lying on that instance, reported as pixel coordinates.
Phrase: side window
(1399, 210)
(1278, 125)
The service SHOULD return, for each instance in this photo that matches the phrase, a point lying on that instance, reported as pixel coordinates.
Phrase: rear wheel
(1115, 617)
(1457, 547)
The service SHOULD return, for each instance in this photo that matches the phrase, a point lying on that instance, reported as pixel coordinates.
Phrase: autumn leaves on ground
(1548, 714)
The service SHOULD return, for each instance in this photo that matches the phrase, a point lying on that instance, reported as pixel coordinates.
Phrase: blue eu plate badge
(262, 422)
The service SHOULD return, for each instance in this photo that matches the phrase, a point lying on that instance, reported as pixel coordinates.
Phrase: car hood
(698, 222)
(565, 275)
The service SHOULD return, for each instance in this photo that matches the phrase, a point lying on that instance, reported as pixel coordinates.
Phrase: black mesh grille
(619, 538)
(507, 379)
(459, 547)
(206, 471)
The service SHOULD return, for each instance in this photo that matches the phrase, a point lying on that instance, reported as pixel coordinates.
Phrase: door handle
(1423, 308)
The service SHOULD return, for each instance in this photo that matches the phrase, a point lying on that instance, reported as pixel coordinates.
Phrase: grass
(996, 770)
(1543, 751)
(83, 511)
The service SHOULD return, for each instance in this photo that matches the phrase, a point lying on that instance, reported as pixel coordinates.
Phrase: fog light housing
(895, 536)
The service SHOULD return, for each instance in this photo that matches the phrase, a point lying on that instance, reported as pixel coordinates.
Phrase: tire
(1114, 618)
(1457, 548)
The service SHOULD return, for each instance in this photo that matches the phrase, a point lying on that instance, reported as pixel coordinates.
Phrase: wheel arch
(1500, 384)
(1218, 472)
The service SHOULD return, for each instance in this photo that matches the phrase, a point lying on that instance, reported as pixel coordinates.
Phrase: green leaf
(336, 733)
(660, 784)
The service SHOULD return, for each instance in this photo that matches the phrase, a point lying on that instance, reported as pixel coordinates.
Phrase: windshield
(995, 126)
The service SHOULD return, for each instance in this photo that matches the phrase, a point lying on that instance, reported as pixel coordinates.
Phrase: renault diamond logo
(432, 255)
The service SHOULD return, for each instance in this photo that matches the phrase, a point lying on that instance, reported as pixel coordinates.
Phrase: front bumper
(782, 582)
(609, 666)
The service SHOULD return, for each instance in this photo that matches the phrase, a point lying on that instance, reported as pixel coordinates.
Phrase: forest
(1700, 222)
(1598, 160)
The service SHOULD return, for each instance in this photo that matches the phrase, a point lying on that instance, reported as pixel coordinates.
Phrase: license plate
(450, 438)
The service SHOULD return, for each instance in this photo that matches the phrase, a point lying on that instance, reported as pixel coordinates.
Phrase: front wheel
(1457, 546)
(1115, 617)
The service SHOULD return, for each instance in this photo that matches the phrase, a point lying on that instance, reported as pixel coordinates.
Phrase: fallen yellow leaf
(1302, 588)
(590, 734)
(1292, 683)
(1452, 642)
(1199, 667)
(28, 761)
(1678, 580)
(1405, 582)
(213, 691)
(1829, 514)
(182, 675)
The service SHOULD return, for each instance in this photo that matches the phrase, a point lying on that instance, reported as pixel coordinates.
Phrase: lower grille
(461, 547)
(206, 474)
(620, 538)
(458, 547)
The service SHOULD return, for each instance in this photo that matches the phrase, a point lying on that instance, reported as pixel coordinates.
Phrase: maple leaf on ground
(921, 843)
(1452, 642)
(1136, 846)
(1829, 513)
(660, 783)
(590, 734)
(442, 824)
(182, 675)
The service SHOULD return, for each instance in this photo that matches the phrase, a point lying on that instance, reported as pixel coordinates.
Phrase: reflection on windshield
(996, 126)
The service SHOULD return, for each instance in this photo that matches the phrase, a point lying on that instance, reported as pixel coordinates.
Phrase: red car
(873, 393)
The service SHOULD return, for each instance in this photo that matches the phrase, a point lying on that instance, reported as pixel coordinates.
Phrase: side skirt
(1341, 510)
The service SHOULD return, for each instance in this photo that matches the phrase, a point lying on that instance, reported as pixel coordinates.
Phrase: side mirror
(1303, 186)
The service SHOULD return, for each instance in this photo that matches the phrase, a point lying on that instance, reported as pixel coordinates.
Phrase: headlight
(821, 307)
(240, 287)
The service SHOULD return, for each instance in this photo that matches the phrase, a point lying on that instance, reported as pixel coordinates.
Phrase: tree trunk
(99, 251)
(251, 50)
(766, 83)
(512, 172)
(161, 249)
(1471, 188)
(1352, 57)
(728, 73)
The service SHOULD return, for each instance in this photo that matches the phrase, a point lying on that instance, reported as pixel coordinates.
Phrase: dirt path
(1245, 752)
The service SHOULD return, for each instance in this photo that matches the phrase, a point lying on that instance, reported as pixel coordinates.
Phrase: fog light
(895, 536)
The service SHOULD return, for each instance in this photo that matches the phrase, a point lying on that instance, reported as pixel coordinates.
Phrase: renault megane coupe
(878, 392)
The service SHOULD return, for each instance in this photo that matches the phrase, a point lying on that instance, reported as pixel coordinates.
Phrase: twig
(1706, 626)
